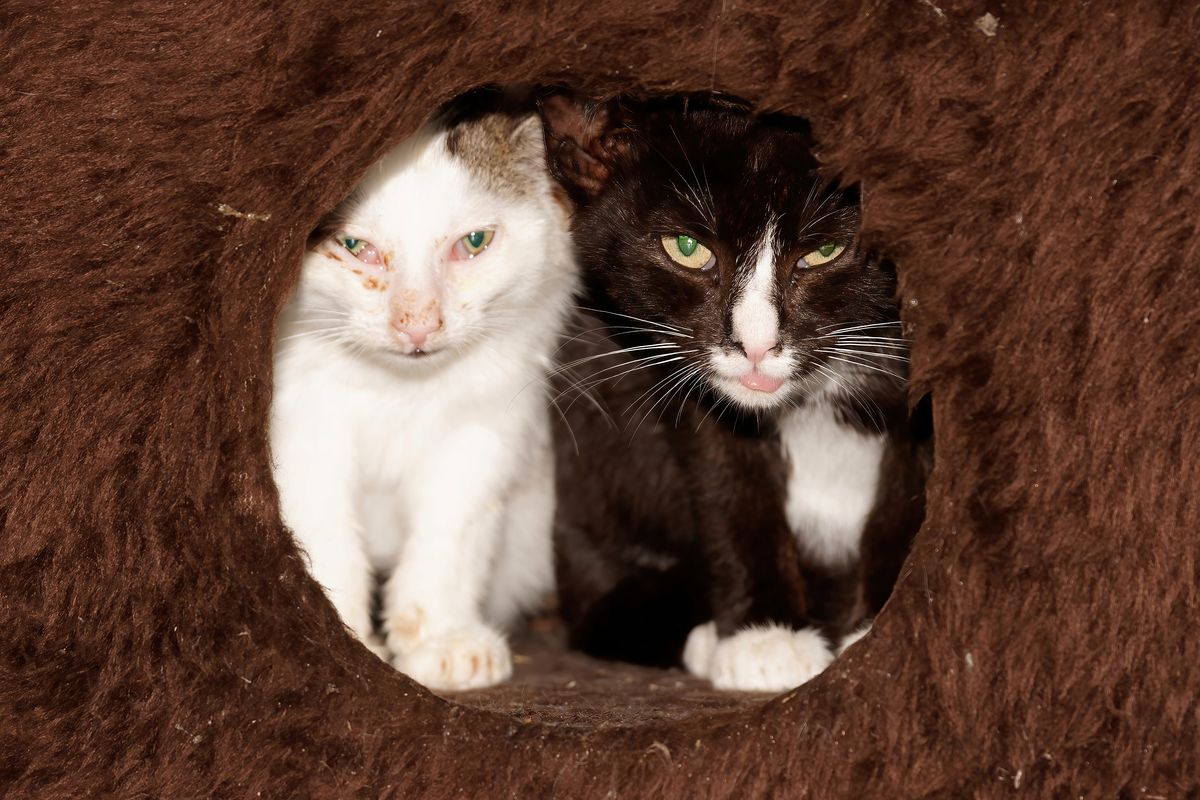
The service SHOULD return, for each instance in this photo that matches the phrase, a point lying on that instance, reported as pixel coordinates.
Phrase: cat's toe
(698, 652)
(467, 658)
(768, 659)
(405, 626)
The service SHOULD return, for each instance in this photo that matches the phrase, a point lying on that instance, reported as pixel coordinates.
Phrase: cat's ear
(584, 141)
(527, 140)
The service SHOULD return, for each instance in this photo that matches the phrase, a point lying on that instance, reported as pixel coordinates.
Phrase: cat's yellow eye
(685, 251)
(473, 244)
(823, 254)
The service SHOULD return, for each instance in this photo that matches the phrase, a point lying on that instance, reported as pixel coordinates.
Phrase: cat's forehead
(441, 178)
(735, 175)
(419, 188)
(732, 144)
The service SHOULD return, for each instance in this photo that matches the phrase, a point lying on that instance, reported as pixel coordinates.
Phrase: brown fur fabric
(1032, 171)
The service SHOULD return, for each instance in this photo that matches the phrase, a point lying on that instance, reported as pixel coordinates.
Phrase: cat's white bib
(833, 478)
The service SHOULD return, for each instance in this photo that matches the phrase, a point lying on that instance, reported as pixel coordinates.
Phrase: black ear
(583, 142)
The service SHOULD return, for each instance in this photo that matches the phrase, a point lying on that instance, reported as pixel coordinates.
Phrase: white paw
(464, 658)
(770, 658)
(698, 652)
(851, 638)
(405, 627)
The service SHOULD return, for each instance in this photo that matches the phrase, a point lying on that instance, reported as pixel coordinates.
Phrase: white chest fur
(833, 477)
(386, 442)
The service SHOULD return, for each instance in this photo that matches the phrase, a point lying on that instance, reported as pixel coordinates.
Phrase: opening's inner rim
(716, 703)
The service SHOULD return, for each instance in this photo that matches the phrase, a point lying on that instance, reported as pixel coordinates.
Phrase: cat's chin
(414, 360)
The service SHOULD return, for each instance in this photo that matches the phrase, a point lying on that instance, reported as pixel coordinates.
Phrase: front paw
(851, 638)
(698, 652)
(769, 658)
(463, 658)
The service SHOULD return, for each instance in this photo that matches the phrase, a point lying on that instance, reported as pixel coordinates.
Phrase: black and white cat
(759, 490)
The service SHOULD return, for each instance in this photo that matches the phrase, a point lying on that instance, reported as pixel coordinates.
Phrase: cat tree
(1033, 175)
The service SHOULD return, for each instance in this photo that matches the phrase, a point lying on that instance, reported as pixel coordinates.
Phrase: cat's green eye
(476, 242)
(823, 254)
(685, 251)
(355, 246)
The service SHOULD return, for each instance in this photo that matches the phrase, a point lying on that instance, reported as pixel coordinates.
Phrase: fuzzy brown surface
(555, 686)
(1032, 172)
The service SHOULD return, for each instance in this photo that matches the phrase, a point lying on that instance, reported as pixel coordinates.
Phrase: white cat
(409, 426)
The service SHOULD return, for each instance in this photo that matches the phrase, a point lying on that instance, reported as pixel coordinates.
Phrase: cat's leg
(433, 599)
(888, 531)
(317, 503)
(761, 637)
(523, 574)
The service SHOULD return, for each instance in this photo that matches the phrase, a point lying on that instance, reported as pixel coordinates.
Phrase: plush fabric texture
(1032, 170)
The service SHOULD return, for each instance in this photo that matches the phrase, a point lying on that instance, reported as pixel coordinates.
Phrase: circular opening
(737, 469)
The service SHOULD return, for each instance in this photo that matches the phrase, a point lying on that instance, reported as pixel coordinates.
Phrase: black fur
(671, 500)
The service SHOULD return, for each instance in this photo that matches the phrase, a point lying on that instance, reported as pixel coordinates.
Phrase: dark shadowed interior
(1032, 173)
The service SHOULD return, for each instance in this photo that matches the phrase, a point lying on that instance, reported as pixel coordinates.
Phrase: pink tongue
(760, 383)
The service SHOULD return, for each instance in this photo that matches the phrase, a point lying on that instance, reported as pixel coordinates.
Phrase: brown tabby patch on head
(505, 152)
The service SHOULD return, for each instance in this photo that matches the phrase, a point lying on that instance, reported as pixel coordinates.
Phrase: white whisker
(635, 319)
(645, 396)
(658, 359)
(695, 382)
(870, 367)
(847, 351)
(611, 353)
(885, 341)
(857, 327)
(869, 405)
(665, 399)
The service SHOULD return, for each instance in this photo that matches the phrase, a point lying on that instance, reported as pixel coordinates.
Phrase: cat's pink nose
(418, 332)
(757, 351)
